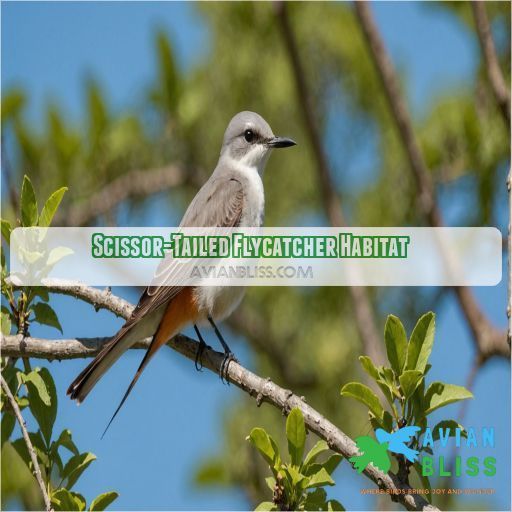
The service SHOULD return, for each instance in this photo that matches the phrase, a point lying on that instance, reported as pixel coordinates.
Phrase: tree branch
(263, 390)
(362, 306)
(28, 442)
(137, 183)
(489, 340)
(498, 85)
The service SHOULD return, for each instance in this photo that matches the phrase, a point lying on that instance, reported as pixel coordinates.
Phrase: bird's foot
(198, 362)
(224, 367)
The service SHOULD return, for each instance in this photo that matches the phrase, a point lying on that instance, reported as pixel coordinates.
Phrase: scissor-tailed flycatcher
(232, 197)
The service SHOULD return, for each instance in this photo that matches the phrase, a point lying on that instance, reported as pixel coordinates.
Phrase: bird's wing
(219, 203)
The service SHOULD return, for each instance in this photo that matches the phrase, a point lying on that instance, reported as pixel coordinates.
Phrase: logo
(377, 452)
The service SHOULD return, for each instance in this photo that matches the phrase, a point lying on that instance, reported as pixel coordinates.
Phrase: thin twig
(137, 183)
(489, 340)
(28, 442)
(365, 322)
(263, 390)
(498, 85)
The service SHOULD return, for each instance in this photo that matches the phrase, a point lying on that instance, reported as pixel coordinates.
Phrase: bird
(396, 441)
(232, 197)
(371, 451)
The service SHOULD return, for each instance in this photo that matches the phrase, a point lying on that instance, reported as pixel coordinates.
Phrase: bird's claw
(223, 370)
(198, 362)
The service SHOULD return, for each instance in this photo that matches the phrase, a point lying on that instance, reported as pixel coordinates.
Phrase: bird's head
(249, 140)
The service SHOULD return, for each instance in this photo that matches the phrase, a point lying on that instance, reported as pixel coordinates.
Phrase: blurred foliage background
(462, 134)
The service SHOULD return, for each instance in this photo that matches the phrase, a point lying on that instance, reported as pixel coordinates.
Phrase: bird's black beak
(280, 142)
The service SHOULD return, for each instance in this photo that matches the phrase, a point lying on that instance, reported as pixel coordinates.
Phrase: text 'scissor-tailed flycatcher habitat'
(264, 247)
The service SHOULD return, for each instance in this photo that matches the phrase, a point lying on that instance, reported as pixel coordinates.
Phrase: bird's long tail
(92, 373)
(180, 311)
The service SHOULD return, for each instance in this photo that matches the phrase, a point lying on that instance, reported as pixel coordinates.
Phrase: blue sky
(150, 451)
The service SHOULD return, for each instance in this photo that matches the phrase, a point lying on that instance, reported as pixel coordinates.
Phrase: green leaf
(315, 500)
(169, 94)
(296, 435)
(40, 450)
(320, 447)
(97, 113)
(389, 376)
(296, 479)
(365, 395)
(37, 380)
(320, 479)
(452, 425)
(75, 466)
(334, 505)
(409, 381)
(42, 292)
(63, 499)
(440, 394)
(12, 104)
(57, 253)
(6, 230)
(332, 463)
(396, 343)
(5, 319)
(44, 314)
(102, 501)
(271, 482)
(369, 367)
(418, 406)
(387, 391)
(262, 441)
(50, 207)
(29, 211)
(44, 414)
(266, 505)
(329, 465)
(65, 439)
(39, 446)
(7, 426)
(421, 342)
(21, 448)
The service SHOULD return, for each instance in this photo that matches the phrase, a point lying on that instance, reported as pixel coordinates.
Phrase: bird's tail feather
(111, 352)
(145, 360)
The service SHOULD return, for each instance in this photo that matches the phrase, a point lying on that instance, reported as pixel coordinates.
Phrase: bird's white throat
(254, 160)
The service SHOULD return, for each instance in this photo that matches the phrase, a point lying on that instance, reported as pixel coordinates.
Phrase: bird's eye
(249, 135)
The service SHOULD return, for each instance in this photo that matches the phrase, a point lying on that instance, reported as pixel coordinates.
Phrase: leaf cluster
(60, 461)
(297, 484)
(408, 400)
(31, 304)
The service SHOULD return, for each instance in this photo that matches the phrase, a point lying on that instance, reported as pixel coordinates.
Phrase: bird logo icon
(376, 451)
